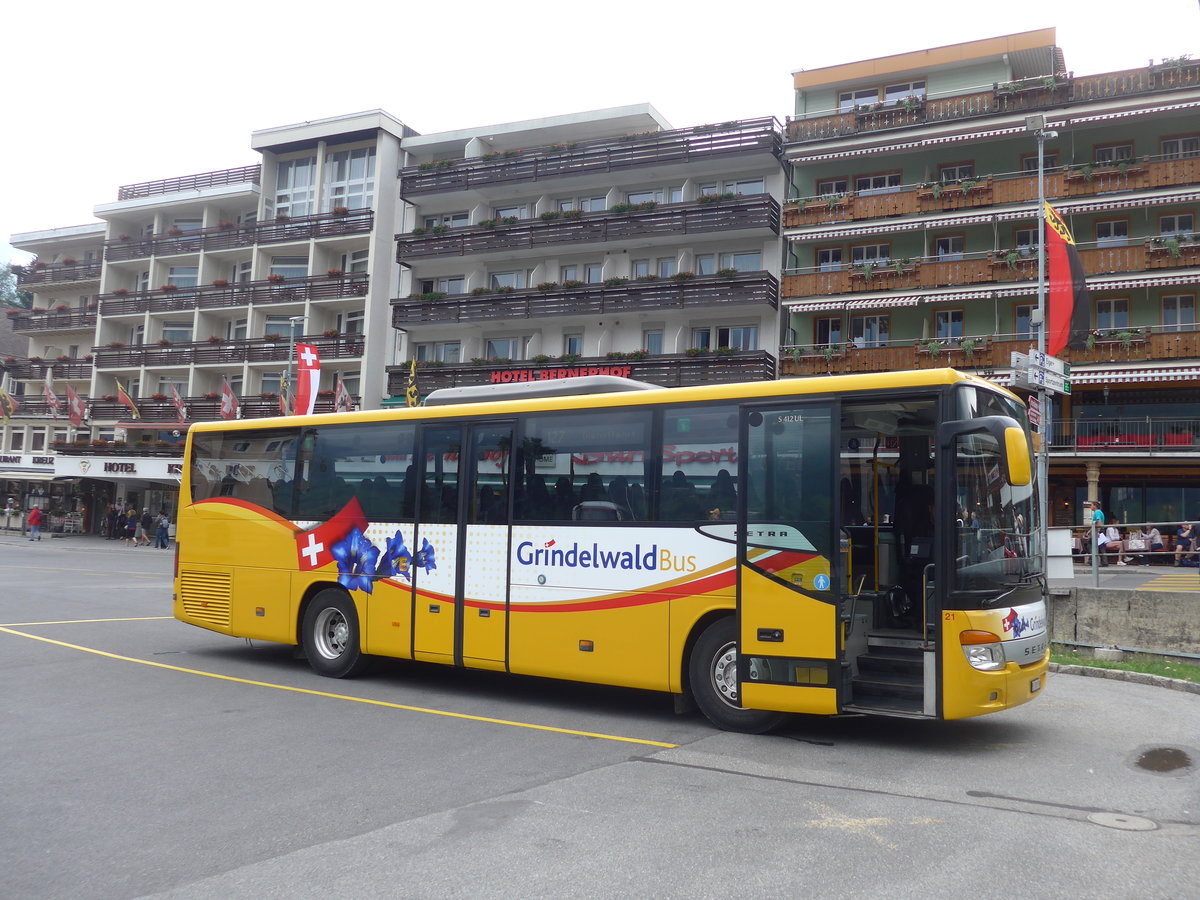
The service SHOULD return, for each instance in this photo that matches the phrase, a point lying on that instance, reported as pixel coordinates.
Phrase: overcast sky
(105, 94)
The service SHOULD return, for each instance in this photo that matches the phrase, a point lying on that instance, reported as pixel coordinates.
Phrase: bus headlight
(983, 650)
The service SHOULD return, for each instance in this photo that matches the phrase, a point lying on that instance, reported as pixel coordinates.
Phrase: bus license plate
(1035, 685)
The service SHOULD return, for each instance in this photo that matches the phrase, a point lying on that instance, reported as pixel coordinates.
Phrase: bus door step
(891, 675)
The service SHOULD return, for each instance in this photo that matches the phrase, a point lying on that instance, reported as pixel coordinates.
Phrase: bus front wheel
(712, 671)
(330, 637)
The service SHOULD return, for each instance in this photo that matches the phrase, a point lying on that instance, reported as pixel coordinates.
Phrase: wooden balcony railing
(592, 299)
(225, 237)
(56, 273)
(668, 370)
(1034, 94)
(992, 191)
(55, 320)
(35, 369)
(240, 175)
(759, 211)
(220, 352)
(986, 268)
(291, 290)
(685, 145)
(201, 408)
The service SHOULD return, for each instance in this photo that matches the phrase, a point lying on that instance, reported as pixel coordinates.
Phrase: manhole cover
(1123, 823)
(1163, 759)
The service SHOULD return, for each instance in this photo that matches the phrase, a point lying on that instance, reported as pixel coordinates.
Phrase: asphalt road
(144, 757)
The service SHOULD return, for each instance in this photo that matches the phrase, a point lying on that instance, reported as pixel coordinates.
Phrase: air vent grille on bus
(205, 596)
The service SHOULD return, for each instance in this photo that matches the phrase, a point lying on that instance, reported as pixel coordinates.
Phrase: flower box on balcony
(120, 292)
(334, 273)
(168, 288)
(341, 210)
(275, 279)
(220, 282)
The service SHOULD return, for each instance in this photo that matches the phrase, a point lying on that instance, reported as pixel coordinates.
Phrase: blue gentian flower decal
(356, 558)
(424, 558)
(396, 559)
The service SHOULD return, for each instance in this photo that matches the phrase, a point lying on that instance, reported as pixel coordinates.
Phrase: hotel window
(742, 260)
(573, 344)
(295, 182)
(705, 264)
(870, 331)
(289, 266)
(949, 247)
(948, 323)
(37, 439)
(956, 172)
(1025, 240)
(666, 267)
(1112, 233)
(177, 332)
(829, 259)
(143, 281)
(883, 183)
(895, 93)
(137, 335)
(237, 330)
(439, 351)
(746, 187)
(187, 225)
(847, 100)
(828, 330)
(183, 276)
(1024, 327)
(1179, 225)
(869, 253)
(661, 195)
(652, 341)
(356, 262)
(165, 383)
(350, 178)
(640, 268)
(583, 204)
(241, 272)
(283, 326)
(503, 348)
(1179, 312)
(451, 284)
(831, 186)
(1180, 147)
(738, 337)
(1112, 314)
(16, 439)
(511, 212)
(351, 322)
(1049, 161)
(271, 382)
(1113, 153)
(450, 220)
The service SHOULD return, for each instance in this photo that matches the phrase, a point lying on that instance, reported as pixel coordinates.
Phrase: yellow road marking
(1174, 581)
(295, 690)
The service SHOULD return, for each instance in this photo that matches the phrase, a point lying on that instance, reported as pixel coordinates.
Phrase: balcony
(683, 146)
(986, 268)
(201, 408)
(55, 320)
(217, 296)
(1013, 97)
(241, 175)
(1135, 436)
(223, 352)
(673, 220)
(57, 273)
(667, 370)
(985, 355)
(228, 236)
(995, 190)
(629, 296)
(30, 369)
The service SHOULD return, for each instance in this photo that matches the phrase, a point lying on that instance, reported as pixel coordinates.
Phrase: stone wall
(1142, 620)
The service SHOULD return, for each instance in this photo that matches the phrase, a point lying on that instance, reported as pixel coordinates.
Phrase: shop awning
(26, 476)
(1119, 376)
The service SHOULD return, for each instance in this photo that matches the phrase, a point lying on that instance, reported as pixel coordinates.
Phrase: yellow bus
(852, 544)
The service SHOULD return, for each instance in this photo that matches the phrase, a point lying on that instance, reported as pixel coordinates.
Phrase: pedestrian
(162, 524)
(35, 524)
(145, 526)
(1154, 543)
(1185, 540)
(129, 536)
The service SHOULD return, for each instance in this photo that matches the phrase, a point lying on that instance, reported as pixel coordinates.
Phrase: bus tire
(712, 671)
(329, 634)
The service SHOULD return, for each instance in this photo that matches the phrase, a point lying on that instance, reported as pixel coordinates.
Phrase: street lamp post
(1037, 125)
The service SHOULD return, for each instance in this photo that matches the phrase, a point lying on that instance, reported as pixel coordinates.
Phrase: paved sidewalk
(1132, 578)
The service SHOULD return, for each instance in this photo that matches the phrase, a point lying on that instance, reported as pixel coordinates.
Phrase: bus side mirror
(1016, 448)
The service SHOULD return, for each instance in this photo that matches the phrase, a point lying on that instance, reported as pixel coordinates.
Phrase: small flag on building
(285, 396)
(229, 401)
(410, 392)
(76, 408)
(341, 397)
(180, 409)
(52, 401)
(8, 404)
(125, 400)
(1068, 315)
(308, 378)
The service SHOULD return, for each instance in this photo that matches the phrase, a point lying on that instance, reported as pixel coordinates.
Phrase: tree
(10, 295)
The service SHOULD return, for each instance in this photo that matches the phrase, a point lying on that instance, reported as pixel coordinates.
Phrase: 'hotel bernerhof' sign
(109, 468)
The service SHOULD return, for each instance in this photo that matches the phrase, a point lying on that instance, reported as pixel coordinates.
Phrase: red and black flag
(1068, 313)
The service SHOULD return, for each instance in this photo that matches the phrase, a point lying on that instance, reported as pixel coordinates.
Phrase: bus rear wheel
(329, 633)
(712, 671)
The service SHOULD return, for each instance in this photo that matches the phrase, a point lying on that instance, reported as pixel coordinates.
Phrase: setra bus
(850, 544)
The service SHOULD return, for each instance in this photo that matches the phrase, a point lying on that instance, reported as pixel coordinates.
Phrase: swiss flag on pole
(229, 401)
(315, 548)
(308, 378)
(76, 408)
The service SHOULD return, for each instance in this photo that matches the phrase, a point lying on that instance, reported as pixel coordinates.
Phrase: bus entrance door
(462, 598)
(788, 617)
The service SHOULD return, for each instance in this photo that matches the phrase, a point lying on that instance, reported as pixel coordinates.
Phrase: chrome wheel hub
(724, 674)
